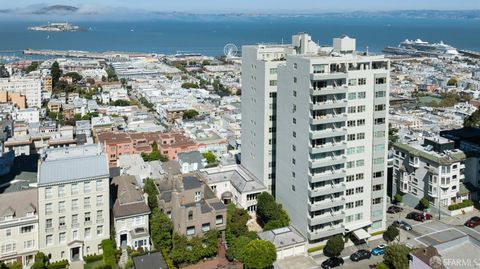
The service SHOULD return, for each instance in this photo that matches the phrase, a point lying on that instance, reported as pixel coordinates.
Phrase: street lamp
(439, 200)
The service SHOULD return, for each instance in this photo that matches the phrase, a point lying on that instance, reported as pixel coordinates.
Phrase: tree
(152, 191)
(155, 155)
(259, 254)
(55, 72)
(191, 251)
(452, 81)
(210, 157)
(334, 246)
(267, 208)
(398, 198)
(161, 230)
(121, 102)
(392, 136)
(270, 214)
(238, 247)
(190, 114)
(3, 71)
(32, 67)
(391, 233)
(473, 120)
(282, 221)
(189, 85)
(237, 220)
(205, 62)
(111, 75)
(76, 77)
(396, 256)
(424, 203)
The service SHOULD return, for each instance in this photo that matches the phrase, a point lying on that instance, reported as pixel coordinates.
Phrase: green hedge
(58, 265)
(104, 267)
(167, 259)
(108, 253)
(317, 248)
(92, 258)
(377, 233)
(463, 204)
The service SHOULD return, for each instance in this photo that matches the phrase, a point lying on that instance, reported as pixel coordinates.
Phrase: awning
(361, 234)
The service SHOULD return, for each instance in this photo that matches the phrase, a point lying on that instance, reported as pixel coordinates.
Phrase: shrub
(463, 204)
(108, 253)
(377, 233)
(104, 267)
(58, 265)
(424, 203)
(92, 258)
(167, 259)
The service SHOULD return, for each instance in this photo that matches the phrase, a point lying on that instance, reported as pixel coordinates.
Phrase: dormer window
(198, 196)
(29, 214)
(8, 217)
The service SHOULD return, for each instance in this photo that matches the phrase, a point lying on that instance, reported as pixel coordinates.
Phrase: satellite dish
(230, 50)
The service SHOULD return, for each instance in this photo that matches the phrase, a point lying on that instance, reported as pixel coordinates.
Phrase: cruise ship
(57, 27)
(422, 48)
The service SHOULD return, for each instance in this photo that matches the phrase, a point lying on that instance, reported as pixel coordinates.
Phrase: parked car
(394, 209)
(473, 222)
(362, 254)
(402, 224)
(419, 216)
(332, 262)
(379, 250)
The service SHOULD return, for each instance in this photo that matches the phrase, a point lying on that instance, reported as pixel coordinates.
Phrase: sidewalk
(459, 220)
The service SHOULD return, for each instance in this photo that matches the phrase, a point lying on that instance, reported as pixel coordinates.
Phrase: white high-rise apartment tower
(259, 91)
(331, 137)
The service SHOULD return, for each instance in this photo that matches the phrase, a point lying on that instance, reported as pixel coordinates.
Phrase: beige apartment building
(192, 205)
(18, 227)
(73, 202)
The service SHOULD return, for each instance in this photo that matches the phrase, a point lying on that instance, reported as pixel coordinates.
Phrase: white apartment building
(259, 106)
(29, 115)
(18, 227)
(331, 128)
(234, 184)
(73, 202)
(130, 213)
(434, 169)
(29, 87)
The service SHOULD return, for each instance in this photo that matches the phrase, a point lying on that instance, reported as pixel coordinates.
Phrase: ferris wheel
(230, 50)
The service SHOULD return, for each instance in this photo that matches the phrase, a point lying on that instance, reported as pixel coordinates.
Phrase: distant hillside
(56, 9)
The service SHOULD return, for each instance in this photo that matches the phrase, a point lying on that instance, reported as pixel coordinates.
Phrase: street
(428, 233)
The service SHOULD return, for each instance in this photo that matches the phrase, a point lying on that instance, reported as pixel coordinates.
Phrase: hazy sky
(261, 5)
